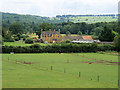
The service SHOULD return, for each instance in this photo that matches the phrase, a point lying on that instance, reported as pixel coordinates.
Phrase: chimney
(69, 34)
(54, 31)
(41, 31)
(59, 31)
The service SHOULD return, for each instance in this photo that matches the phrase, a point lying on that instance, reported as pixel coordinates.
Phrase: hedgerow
(56, 48)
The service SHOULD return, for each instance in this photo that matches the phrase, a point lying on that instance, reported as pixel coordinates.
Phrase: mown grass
(21, 43)
(64, 73)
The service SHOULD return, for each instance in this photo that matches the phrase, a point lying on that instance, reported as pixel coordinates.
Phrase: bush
(67, 41)
(29, 41)
(24, 38)
(117, 42)
(8, 40)
(41, 41)
(37, 46)
(106, 48)
(19, 36)
(16, 38)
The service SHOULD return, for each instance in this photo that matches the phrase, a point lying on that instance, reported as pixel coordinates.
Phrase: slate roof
(72, 37)
(49, 33)
(77, 38)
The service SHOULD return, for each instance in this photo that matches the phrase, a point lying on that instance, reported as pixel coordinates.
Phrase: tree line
(106, 31)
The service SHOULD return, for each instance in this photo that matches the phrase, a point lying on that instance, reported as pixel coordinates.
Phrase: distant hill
(11, 17)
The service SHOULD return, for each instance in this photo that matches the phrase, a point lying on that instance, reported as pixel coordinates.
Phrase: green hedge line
(56, 48)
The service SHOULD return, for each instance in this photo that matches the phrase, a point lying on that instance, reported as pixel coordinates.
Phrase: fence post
(51, 68)
(118, 83)
(64, 70)
(79, 74)
(98, 78)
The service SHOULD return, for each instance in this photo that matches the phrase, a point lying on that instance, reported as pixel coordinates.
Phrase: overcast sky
(52, 8)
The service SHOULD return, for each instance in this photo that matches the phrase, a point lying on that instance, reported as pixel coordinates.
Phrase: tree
(106, 34)
(45, 26)
(38, 33)
(31, 30)
(66, 28)
(19, 36)
(74, 28)
(83, 27)
(16, 28)
(117, 42)
(6, 34)
(67, 33)
(79, 33)
(89, 28)
(97, 31)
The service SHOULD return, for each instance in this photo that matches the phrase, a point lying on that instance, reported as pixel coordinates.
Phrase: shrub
(16, 38)
(106, 48)
(41, 41)
(24, 38)
(37, 46)
(8, 40)
(29, 41)
(19, 36)
(67, 41)
(117, 42)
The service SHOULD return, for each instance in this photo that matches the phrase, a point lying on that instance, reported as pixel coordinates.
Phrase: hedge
(56, 48)
(29, 41)
(106, 48)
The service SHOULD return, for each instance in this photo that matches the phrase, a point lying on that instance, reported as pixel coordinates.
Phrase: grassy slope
(94, 19)
(39, 74)
(38, 19)
(20, 43)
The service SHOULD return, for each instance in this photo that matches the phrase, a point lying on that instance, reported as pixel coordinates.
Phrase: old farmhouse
(51, 36)
(56, 37)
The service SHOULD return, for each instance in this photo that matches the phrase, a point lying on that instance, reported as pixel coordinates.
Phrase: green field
(34, 70)
(91, 19)
(21, 43)
(39, 19)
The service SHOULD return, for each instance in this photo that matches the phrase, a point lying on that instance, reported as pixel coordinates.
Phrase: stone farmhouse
(51, 36)
(56, 37)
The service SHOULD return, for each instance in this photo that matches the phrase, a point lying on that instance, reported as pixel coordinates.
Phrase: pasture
(66, 70)
(93, 19)
(22, 43)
